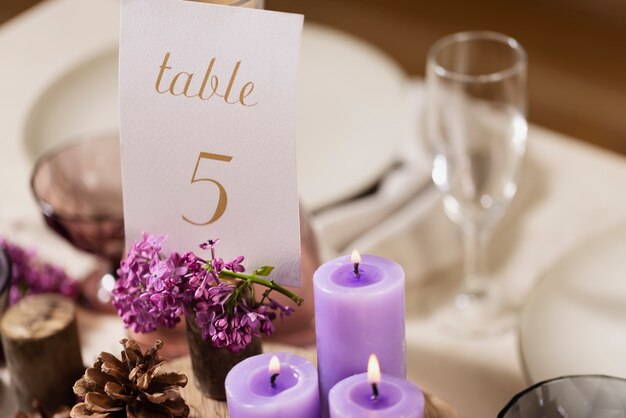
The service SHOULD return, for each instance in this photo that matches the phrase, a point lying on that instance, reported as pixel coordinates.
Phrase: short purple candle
(359, 310)
(254, 390)
(397, 398)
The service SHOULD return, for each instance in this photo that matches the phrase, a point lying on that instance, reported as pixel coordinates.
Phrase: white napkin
(402, 218)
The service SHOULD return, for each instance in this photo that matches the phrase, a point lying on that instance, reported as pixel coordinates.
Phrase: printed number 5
(223, 198)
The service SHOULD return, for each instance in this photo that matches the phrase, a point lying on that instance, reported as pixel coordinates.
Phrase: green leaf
(263, 271)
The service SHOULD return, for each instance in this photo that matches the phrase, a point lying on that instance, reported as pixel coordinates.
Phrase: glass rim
(492, 77)
(515, 399)
(4, 255)
(54, 152)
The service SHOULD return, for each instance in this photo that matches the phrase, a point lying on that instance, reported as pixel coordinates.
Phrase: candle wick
(374, 391)
(273, 379)
(356, 269)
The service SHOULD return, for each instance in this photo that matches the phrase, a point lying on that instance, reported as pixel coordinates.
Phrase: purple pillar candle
(373, 395)
(359, 310)
(273, 385)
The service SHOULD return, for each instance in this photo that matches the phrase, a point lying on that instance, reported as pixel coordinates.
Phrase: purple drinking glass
(78, 188)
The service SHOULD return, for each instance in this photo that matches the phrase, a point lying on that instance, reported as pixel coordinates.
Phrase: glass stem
(475, 281)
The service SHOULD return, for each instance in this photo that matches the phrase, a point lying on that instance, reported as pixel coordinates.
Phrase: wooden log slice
(202, 406)
(42, 350)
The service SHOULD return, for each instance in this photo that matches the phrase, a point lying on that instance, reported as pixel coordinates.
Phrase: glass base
(96, 290)
(475, 314)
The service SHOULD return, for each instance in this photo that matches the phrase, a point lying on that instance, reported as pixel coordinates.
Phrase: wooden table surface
(205, 407)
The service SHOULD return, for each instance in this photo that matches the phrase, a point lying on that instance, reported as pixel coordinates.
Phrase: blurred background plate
(350, 112)
(574, 321)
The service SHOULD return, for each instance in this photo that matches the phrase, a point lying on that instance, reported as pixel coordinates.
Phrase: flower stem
(270, 284)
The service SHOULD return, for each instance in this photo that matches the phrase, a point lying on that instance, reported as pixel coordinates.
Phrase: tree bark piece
(41, 345)
(201, 406)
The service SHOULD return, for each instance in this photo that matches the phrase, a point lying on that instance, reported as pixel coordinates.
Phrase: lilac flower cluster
(232, 327)
(151, 291)
(155, 290)
(30, 276)
(229, 315)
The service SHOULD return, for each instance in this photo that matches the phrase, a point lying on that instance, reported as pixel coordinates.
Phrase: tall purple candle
(359, 310)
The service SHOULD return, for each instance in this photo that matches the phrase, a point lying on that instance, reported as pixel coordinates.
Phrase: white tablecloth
(570, 192)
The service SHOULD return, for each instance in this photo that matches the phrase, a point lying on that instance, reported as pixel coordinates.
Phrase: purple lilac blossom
(235, 265)
(151, 288)
(155, 290)
(31, 276)
(233, 330)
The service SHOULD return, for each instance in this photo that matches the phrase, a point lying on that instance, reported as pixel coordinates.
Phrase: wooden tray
(209, 408)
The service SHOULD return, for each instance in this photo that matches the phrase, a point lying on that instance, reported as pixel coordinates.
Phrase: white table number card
(208, 135)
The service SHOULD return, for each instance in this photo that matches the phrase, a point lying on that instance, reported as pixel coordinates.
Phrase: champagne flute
(476, 127)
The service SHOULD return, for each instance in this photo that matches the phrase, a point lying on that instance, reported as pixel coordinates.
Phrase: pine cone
(133, 387)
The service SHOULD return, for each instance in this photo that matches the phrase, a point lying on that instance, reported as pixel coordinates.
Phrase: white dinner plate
(350, 112)
(574, 321)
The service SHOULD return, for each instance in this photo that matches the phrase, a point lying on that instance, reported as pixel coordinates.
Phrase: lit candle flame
(274, 366)
(356, 259)
(274, 370)
(373, 370)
